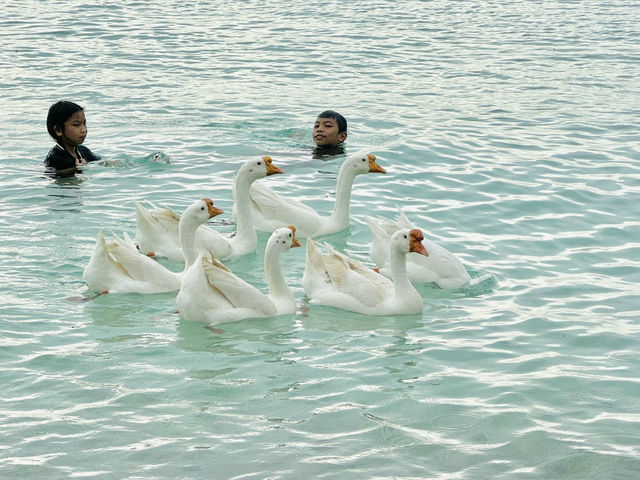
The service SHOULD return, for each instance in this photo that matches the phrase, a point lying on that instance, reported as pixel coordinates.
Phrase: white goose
(440, 267)
(210, 293)
(157, 229)
(336, 280)
(271, 211)
(117, 266)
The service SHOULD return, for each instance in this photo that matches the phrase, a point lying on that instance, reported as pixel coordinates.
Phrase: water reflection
(262, 336)
(65, 194)
(130, 310)
(328, 153)
(316, 317)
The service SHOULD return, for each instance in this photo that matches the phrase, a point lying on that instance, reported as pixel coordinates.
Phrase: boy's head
(330, 129)
(59, 113)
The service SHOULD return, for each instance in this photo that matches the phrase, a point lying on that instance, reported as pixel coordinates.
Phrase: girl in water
(67, 125)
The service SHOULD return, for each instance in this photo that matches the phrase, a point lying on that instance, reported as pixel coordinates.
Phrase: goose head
(195, 215)
(362, 163)
(406, 241)
(283, 238)
(200, 211)
(260, 168)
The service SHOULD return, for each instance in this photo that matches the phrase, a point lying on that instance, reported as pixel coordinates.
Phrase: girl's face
(74, 129)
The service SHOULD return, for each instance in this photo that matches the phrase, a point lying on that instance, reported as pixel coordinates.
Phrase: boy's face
(325, 132)
(75, 129)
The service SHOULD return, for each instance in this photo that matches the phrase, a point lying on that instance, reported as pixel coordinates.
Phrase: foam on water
(510, 135)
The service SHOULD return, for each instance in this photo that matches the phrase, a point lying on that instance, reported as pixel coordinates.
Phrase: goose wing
(117, 266)
(338, 275)
(157, 231)
(271, 211)
(237, 292)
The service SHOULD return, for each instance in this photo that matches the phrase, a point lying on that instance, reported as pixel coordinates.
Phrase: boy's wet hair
(340, 120)
(59, 113)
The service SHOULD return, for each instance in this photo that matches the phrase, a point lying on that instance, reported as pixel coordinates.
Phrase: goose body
(270, 210)
(440, 267)
(117, 266)
(212, 294)
(157, 229)
(336, 280)
(157, 235)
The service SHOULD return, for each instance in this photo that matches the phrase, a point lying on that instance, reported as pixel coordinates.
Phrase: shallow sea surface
(510, 132)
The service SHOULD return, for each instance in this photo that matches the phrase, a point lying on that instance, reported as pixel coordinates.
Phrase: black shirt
(61, 162)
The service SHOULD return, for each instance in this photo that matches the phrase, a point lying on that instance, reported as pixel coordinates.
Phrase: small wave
(481, 283)
(126, 161)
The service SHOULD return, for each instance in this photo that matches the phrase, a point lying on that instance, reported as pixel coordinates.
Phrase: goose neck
(187, 237)
(273, 272)
(340, 212)
(398, 268)
(244, 224)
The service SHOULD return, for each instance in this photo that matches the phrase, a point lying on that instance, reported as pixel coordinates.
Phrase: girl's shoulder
(87, 154)
(56, 155)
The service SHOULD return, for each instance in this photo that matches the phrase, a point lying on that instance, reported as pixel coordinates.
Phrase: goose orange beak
(213, 211)
(271, 168)
(373, 166)
(415, 242)
(294, 242)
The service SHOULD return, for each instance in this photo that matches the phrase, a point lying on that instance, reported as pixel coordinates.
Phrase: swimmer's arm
(67, 172)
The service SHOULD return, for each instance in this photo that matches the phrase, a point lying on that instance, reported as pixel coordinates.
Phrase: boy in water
(67, 125)
(329, 133)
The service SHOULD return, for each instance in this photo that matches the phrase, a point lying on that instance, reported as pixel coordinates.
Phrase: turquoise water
(510, 133)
